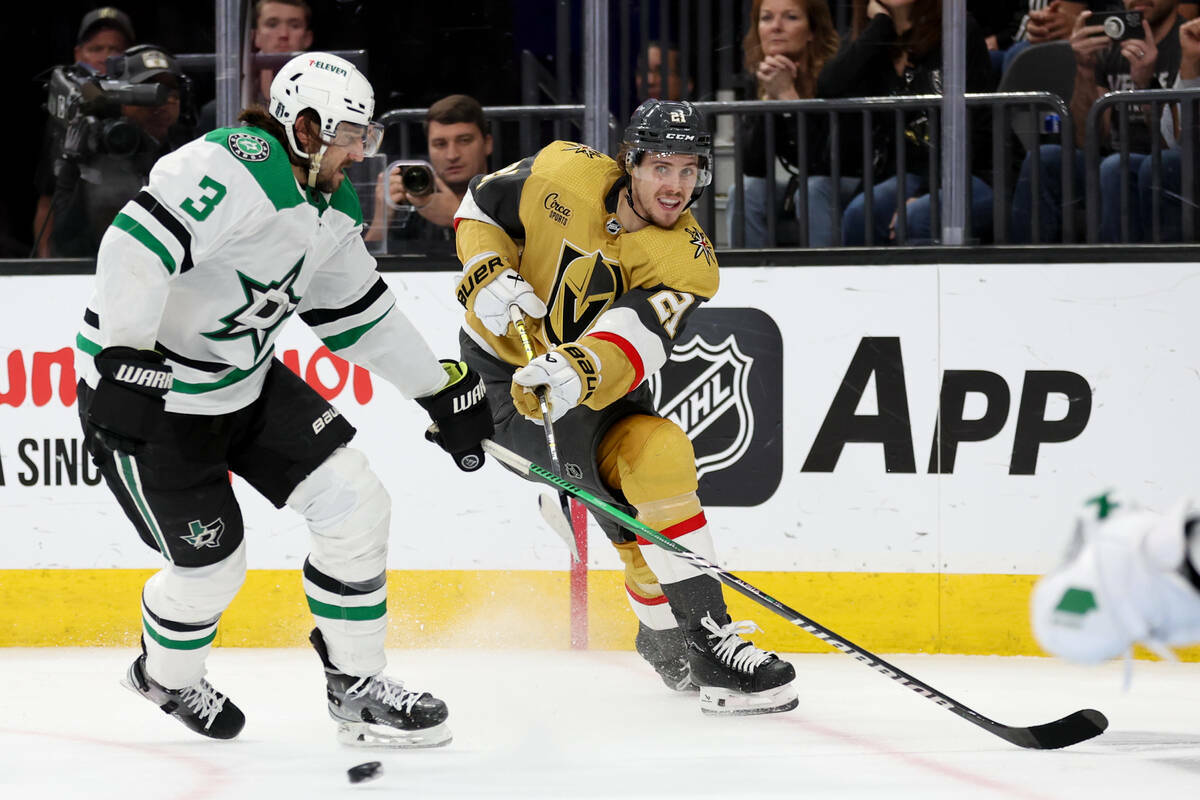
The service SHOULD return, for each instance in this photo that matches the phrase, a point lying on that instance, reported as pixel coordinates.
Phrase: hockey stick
(547, 428)
(1069, 730)
(571, 525)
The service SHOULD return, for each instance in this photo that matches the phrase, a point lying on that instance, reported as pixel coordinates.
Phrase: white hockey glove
(570, 373)
(506, 289)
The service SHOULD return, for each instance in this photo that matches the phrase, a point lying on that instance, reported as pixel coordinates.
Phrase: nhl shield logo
(706, 392)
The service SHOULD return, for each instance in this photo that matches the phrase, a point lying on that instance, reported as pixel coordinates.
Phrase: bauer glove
(491, 301)
(461, 417)
(128, 401)
(570, 374)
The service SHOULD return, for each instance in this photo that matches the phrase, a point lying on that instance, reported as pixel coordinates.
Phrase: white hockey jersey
(222, 247)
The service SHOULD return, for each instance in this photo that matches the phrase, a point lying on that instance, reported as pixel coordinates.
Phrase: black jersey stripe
(91, 318)
(168, 221)
(334, 586)
(172, 625)
(321, 316)
(192, 363)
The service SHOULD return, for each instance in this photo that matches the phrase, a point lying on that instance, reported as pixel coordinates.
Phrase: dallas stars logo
(267, 306)
(205, 534)
(703, 246)
(249, 147)
(573, 147)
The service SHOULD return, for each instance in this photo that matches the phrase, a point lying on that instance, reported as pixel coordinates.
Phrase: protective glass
(348, 134)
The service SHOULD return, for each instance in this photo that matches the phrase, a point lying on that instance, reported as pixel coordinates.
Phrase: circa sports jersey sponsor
(723, 384)
(249, 147)
(558, 212)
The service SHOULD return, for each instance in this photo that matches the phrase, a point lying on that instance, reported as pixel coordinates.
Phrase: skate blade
(362, 734)
(728, 703)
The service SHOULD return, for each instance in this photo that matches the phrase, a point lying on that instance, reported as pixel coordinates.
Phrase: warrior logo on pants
(207, 534)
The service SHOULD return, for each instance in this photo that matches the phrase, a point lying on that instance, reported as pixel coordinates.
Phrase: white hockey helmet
(335, 90)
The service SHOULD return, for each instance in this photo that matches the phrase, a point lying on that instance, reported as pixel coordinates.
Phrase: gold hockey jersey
(626, 296)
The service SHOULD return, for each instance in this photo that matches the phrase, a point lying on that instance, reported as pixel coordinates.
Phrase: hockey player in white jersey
(1130, 577)
(235, 233)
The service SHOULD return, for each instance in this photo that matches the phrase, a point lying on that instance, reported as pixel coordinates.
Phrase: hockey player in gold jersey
(606, 263)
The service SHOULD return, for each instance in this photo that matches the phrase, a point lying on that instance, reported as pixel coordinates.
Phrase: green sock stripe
(131, 483)
(176, 644)
(328, 611)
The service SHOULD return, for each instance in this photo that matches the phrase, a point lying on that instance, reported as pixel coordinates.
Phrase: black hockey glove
(128, 400)
(461, 417)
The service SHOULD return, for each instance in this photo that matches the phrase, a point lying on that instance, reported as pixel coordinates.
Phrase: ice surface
(600, 724)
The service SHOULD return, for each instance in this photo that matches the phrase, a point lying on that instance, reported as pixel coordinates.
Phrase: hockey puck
(364, 772)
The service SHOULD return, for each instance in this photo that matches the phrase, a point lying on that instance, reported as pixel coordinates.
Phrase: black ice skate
(377, 711)
(200, 707)
(667, 653)
(734, 676)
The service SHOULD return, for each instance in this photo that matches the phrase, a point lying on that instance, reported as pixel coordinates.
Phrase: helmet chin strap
(314, 166)
(632, 207)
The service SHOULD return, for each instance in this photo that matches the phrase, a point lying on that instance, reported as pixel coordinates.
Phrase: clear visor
(351, 134)
(680, 167)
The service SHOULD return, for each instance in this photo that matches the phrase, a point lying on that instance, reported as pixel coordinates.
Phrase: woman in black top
(898, 51)
(786, 45)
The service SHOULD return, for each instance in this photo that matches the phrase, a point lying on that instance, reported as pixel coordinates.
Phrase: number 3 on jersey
(670, 307)
(207, 202)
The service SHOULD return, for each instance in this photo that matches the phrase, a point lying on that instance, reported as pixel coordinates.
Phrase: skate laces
(731, 648)
(386, 691)
(205, 701)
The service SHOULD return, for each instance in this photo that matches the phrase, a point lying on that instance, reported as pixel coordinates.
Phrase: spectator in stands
(103, 32)
(278, 26)
(897, 50)
(1103, 65)
(1170, 196)
(787, 43)
(105, 163)
(459, 141)
(1046, 21)
(649, 74)
(998, 19)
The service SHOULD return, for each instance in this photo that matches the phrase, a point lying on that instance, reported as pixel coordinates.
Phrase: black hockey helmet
(666, 126)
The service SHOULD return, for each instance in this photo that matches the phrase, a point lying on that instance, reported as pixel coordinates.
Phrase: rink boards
(813, 397)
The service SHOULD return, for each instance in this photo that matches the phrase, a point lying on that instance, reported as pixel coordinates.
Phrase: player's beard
(328, 183)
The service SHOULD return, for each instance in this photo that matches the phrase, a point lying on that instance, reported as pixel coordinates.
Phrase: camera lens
(417, 180)
(120, 137)
(1114, 27)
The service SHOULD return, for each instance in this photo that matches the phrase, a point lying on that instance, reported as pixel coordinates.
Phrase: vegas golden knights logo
(585, 286)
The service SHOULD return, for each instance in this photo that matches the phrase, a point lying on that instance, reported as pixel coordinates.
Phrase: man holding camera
(459, 143)
(1119, 50)
(110, 144)
(103, 32)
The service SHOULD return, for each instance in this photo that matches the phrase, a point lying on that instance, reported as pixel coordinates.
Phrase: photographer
(1117, 56)
(103, 32)
(115, 129)
(459, 143)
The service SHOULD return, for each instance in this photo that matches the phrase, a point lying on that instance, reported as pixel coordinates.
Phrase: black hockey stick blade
(1069, 730)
